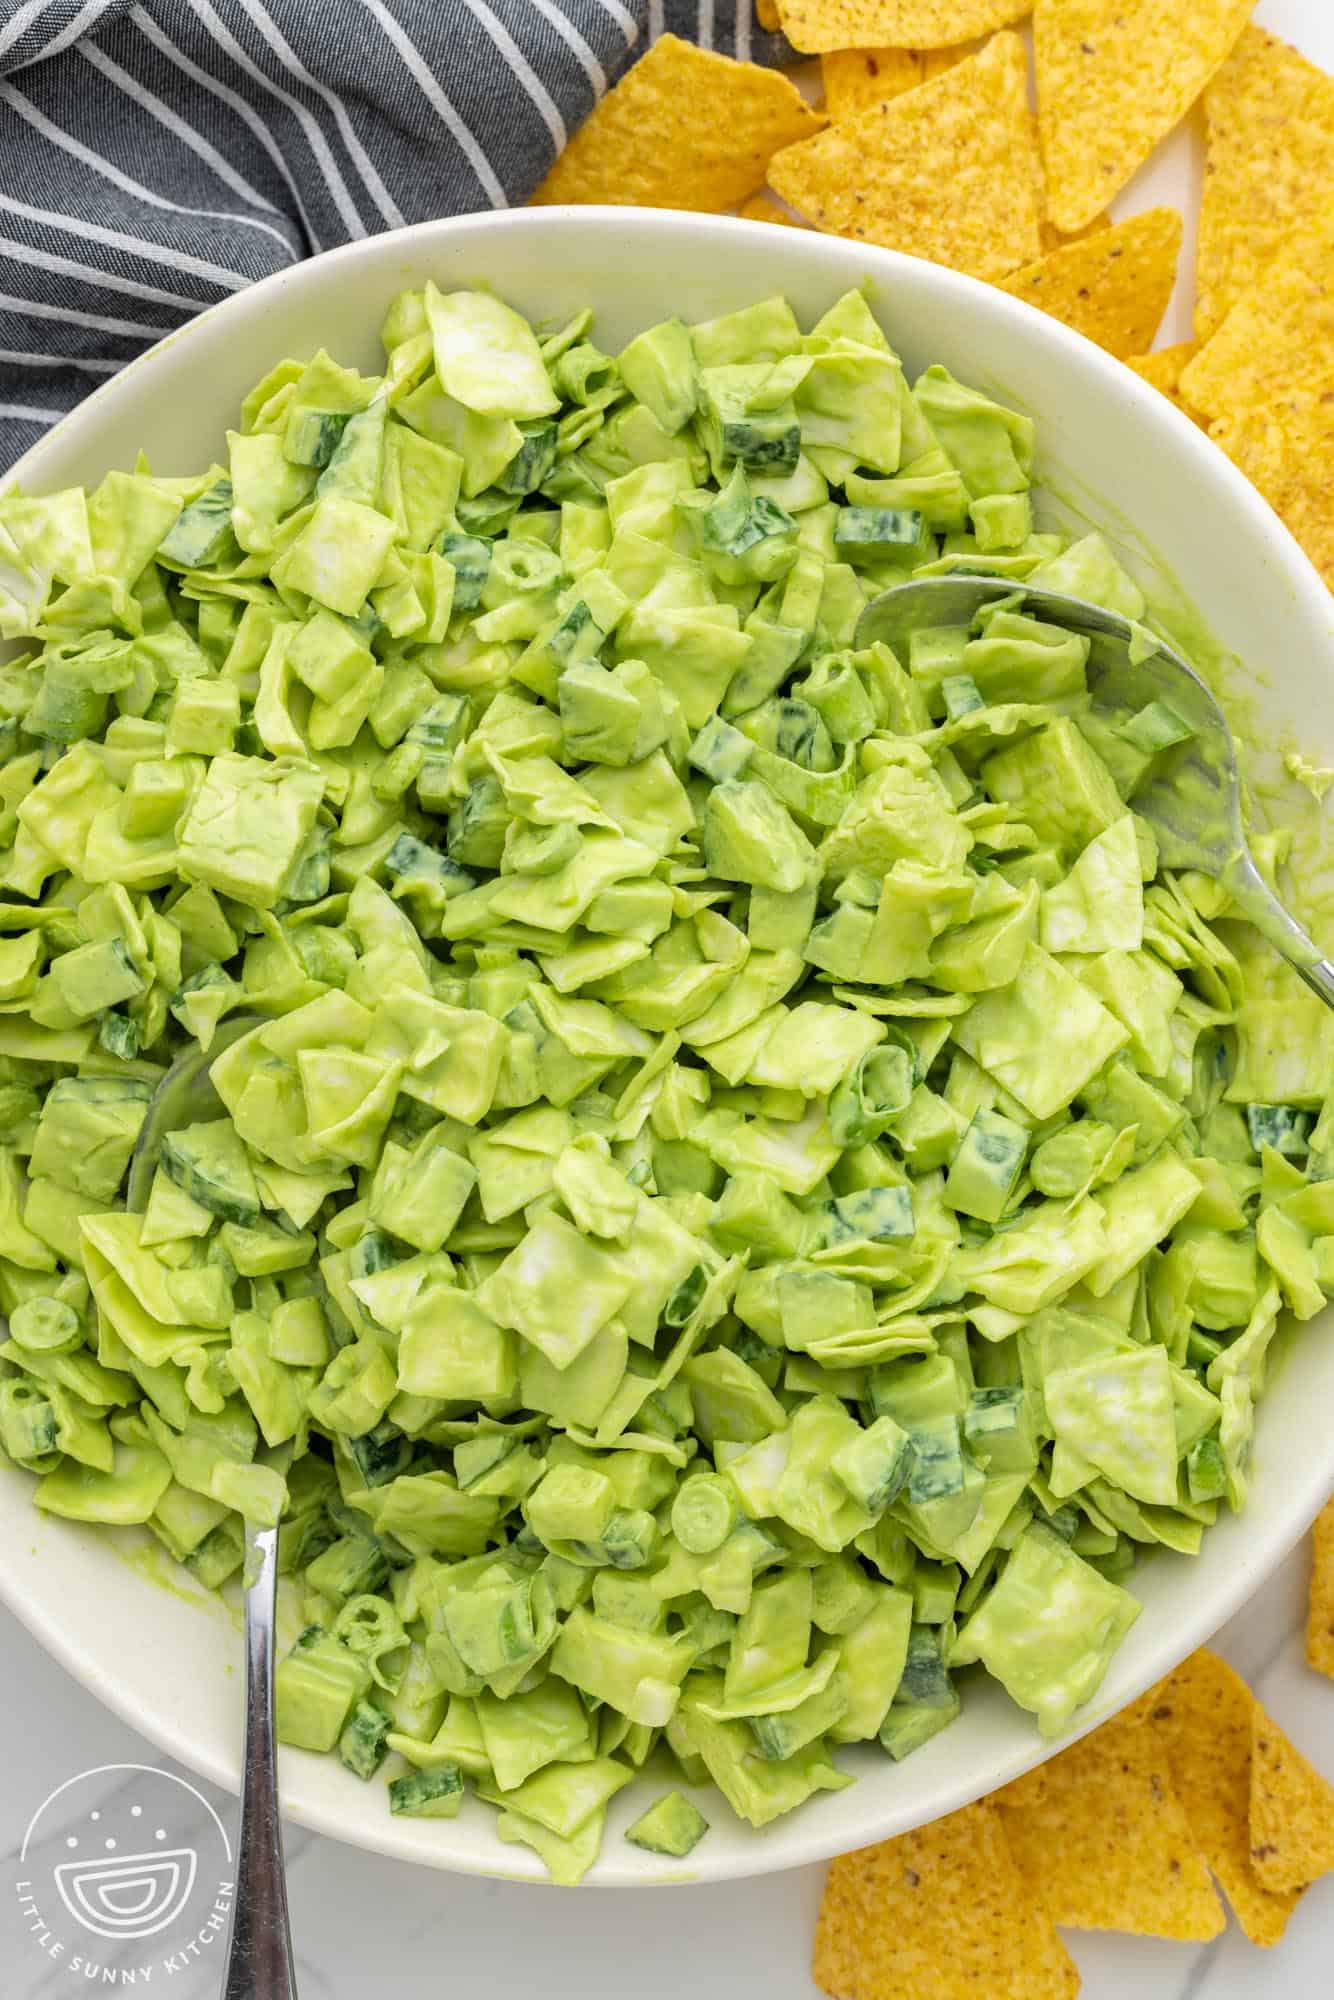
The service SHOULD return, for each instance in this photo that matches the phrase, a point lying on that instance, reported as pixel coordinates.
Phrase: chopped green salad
(739, 1190)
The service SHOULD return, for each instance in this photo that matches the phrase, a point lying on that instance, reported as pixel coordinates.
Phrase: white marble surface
(366, 1927)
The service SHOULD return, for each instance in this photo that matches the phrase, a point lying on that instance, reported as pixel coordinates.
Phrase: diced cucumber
(985, 1171)
(209, 1162)
(471, 558)
(1281, 1127)
(998, 1426)
(312, 436)
(202, 532)
(875, 1467)
(672, 1825)
(361, 1743)
(961, 695)
(531, 462)
(382, 1454)
(315, 1688)
(436, 1794)
(887, 534)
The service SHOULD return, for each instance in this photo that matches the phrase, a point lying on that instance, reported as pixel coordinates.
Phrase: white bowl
(1184, 519)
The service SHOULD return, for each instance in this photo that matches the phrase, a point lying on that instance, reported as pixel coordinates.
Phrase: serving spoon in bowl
(259, 1945)
(1192, 801)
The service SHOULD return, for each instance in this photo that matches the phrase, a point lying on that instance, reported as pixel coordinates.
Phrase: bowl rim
(64, 1641)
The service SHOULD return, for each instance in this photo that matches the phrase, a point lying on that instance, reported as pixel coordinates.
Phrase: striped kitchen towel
(156, 155)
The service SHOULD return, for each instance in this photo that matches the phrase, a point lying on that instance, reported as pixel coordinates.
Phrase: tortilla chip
(948, 172)
(1056, 239)
(941, 1911)
(1277, 342)
(1109, 1848)
(1114, 77)
(685, 128)
(1030, 1788)
(936, 61)
(1320, 1609)
(1292, 1811)
(760, 209)
(818, 25)
(1163, 369)
(857, 80)
(1268, 171)
(766, 13)
(1113, 286)
(1204, 1713)
(1286, 452)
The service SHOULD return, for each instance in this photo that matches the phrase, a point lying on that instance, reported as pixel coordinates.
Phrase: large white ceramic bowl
(169, 1661)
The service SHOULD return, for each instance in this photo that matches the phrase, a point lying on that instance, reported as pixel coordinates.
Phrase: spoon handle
(1256, 901)
(259, 1947)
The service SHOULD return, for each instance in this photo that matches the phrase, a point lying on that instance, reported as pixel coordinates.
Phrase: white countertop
(367, 1928)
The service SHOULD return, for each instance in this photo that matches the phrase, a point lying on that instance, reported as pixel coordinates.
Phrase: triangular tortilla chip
(768, 16)
(1109, 1846)
(1286, 451)
(1114, 77)
(949, 172)
(1277, 342)
(1163, 369)
(941, 1912)
(817, 25)
(1320, 1608)
(1204, 1713)
(1113, 287)
(857, 80)
(685, 128)
(760, 209)
(1292, 1811)
(1268, 172)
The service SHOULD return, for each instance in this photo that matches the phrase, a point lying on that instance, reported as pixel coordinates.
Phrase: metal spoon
(259, 1944)
(1193, 800)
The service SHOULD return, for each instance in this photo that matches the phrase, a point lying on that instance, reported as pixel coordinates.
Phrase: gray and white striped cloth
(156, 155)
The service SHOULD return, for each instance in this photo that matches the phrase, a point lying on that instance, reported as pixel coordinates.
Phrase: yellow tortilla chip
(1268, 171)
(1029, 1789)
(1163, 369)
(948, 172)
(1056, 239)
(1204, 1713)
(760, 209)
(766, 13)
(857, 80)
(1320, 1607)
(1286, 451)
(936, 61)
(1109, 1847)
(1278, 341)
(817, 25)
(685, 128)
(1292, 1811)
(1113, 286)
(1114, 77)
(941, 1912)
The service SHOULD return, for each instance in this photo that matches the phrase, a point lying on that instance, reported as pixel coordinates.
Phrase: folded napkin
(156, 155)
